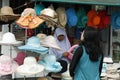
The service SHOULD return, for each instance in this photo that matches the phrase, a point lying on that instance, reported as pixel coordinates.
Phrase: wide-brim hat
(115, 20)
(41, 36)
(7, 65)
(8, 38)
(7, 14)
(30, 67)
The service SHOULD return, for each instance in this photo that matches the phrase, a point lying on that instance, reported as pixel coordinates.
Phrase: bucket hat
(7, 14)
(7, 65)
(29, 19)
(30, 67)
(33, 44)
(8, 38)
(115, 20)
(50, 63)
(50, 41)
(20, 58)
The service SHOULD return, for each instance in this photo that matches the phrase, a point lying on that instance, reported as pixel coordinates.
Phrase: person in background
(63, 42)
(88, 57)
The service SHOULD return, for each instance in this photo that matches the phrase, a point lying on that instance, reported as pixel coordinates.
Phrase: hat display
(33, 44)
(8, 38)
(29, 19)
(41, 36)
(7, 14)
(30, 67)
(115, 20)
(7, 65)
(93, 18)
(50, 41)
(20, 57)
(50, 63)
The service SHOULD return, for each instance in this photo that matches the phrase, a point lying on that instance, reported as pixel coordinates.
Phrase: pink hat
(20, 58)
(7, 65)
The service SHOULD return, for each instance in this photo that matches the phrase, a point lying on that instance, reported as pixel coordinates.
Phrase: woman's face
(61, 37)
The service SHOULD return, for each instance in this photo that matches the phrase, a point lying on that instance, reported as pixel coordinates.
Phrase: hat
(104, 19)
(7, 65)
(7, 14)
(50, 41)
(50, 63)
(29, 19)
(41, 36)
(8, 38)
(20, 58)
(62, 18)
(115, 20)
(93, 18)
(30, 67)
(38, 8)
(33, 44)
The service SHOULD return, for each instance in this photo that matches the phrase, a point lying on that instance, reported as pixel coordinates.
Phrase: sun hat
(7, 14)
(41, 36)
(7, 65)
(115, 20)
(50, 41)
(62, 18)
(8, 38)
(71, 17)
(93, 18)
(30, 67)
(20, 57)
(38, 8)
(33, 44)
(50, 63)
(29, 19)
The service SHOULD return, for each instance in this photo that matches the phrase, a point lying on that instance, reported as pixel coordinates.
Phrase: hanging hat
(20, 58)
(50, 41)
(71, 17)
(8, 38)
(7, 65)
(93, 19)
(41, 36)
(104, 19)
(30, 67)
(29, 19)
(33, 44)
(115, 20)
(38, 8)
(62, 18)
(7, 14)
(50, 63)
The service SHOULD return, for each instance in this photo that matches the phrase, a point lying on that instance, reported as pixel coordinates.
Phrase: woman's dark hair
(92, 43)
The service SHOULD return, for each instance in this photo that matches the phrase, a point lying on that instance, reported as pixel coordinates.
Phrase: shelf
(97, 2)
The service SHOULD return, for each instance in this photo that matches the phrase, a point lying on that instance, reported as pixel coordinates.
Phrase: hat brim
(30, 70)
(13, 69)
(17, 43)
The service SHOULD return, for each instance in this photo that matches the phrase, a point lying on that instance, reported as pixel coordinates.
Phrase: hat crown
(5, 59)
(50, 59)
(28, 11)
(6, 10)
(30, 61)
(41, 36)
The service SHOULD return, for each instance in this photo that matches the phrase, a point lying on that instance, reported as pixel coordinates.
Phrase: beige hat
(6, 14)
(41, 36)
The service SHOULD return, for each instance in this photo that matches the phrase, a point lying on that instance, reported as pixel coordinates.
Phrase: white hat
(30, 67)
(41, 36)
(9, 39)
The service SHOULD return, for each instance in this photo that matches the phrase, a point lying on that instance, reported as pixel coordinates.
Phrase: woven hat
(93, 19)
(41, 36)
(33, 44)
(8, 38)
(50, 63)
(115, 20)
(7, 65)
(7, 14)
(29, 19)
(50, 41)
(30, 67)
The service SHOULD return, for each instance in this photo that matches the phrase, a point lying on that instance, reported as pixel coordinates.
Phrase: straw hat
(8, 38)
(41, 36)
(7, 65)
(30, 67)
(29, 19)
(7, 14)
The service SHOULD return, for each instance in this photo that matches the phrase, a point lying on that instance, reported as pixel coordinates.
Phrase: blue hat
(38, 8)
(115, 20)
(33, 44)
(50, 63)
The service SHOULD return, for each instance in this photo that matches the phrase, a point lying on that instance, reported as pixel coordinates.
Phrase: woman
(64, 44)
(87, 60)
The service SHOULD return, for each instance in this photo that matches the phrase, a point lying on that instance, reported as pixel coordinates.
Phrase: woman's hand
(65, 54)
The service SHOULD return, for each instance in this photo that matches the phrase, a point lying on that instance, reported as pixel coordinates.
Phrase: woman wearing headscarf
(63, 42)
(87, 60)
